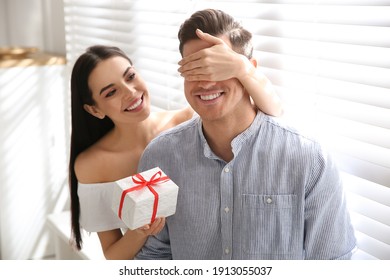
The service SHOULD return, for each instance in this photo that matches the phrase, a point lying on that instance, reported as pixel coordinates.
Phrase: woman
(111, 126)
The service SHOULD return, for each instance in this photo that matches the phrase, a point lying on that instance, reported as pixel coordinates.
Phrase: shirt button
(269, 200)
(226, 169)
(227, 251)
(227, 209)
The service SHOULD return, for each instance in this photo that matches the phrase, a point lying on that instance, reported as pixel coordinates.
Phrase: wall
(33, 23)
(54, 26)
(3, 29)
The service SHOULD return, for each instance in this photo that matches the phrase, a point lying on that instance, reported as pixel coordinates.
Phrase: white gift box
(138, 199)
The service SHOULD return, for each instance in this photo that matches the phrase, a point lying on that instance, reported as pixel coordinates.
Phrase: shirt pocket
(269, 226)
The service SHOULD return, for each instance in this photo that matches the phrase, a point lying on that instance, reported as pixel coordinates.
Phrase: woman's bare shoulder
(183, 115)
(171, 118)
(100, 163)
(90, 165)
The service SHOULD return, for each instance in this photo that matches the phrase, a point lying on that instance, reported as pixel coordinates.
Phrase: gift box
(139, 199)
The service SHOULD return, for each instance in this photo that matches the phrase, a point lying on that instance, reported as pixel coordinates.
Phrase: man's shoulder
(170, 144)
(178, 132)
(285, 132)
(288, 128)
(297, 141)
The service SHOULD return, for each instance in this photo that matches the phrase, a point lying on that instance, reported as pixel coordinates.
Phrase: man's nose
(206, 84)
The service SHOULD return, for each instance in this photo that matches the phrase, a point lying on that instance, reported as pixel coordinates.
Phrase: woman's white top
(96, 213)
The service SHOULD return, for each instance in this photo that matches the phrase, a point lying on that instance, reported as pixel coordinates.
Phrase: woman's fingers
(209, 38)
(157, 226)
(153, 228)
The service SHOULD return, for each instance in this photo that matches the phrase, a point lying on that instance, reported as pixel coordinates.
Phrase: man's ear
(94, 111)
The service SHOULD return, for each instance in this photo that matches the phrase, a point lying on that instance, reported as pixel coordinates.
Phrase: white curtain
(329, 60)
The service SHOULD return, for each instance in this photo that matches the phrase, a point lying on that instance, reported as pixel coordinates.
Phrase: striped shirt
(280, 197)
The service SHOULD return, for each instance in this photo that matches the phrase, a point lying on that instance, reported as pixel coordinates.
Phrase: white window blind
(145, 30)
(329, 60)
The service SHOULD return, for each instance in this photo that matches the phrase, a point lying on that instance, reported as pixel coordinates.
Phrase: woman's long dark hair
(86, 129)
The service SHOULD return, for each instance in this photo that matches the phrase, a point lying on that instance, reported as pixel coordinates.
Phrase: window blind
(329, 61)
(145, 30)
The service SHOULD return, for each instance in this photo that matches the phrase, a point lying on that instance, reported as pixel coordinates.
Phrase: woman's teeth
(134, 106)
(210, 97)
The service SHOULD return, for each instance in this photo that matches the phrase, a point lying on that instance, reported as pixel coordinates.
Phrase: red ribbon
(141, 183)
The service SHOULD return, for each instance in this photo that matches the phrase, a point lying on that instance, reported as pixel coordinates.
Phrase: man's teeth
(135, 105)
(210, 97)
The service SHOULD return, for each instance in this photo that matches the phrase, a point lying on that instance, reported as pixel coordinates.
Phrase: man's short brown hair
(216, 23)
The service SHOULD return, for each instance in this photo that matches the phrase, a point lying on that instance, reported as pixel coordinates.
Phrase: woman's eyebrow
(127, 70)
(110, 85)
(106, 87)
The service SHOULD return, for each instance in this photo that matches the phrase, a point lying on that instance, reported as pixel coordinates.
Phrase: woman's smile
(135, 105)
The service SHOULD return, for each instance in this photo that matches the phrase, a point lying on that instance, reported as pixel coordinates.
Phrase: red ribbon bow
(141, 183)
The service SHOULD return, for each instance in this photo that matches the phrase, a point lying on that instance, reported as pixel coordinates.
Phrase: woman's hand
(216, 63)
(153, 228)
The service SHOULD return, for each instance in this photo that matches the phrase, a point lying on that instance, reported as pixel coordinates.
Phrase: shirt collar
(237, 142)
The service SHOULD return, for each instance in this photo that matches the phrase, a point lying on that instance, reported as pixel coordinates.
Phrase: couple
(250, 187)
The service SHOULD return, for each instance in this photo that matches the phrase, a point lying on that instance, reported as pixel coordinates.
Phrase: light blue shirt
(280, 197)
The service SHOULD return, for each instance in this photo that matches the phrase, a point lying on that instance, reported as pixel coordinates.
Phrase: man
(250, 187)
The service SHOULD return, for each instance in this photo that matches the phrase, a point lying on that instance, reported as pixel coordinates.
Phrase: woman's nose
(129, 91)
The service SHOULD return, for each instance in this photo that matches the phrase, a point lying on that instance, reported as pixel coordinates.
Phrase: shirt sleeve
(328, 230)
(156, 247)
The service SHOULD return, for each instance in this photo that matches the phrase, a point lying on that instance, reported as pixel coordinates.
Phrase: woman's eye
(110, 93)
(131, 77)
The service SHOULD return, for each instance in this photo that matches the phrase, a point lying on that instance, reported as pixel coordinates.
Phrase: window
(146, 30)
(329, 60)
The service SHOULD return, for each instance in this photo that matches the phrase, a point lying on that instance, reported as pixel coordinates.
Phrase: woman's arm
(118, 246)
(220, 62)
